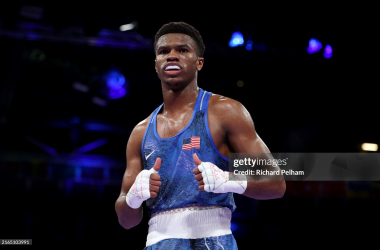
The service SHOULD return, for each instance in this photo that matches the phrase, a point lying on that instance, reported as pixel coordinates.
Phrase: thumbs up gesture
(212, 179)
(155, 182)
(146, 185)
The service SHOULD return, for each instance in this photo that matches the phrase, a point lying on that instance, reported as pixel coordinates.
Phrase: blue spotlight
(314, 46)
(117, 84)
(90, 146)
(328, 52)
(115, 93)
(115, 79)
(249, 44)
(234, 226)
(237, 39)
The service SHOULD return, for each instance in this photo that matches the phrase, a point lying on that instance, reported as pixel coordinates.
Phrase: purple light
(116, 83)
(90, 146)
(314, 46)
(328, 52)
(115, 79)
(116, 93)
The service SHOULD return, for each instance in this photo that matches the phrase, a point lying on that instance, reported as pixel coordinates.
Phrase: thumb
(157, 165)
(196, 159)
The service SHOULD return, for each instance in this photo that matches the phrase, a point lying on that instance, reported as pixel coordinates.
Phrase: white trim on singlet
(202, 99)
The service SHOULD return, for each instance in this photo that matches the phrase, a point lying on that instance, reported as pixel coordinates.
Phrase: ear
(200, 62)
(155, 65)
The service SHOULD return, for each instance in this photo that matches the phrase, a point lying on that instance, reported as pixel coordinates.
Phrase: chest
(169, 127)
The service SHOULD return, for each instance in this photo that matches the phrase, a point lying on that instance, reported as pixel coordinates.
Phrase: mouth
(172, 69)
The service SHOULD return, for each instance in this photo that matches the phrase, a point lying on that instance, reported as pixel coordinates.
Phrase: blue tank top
(178, 186)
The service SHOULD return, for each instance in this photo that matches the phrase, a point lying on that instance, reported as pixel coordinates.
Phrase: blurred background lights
(234, 226)
(314, 46)
(249, 44)
(129, 26)
(240, 83)
(99, 101)
(370, 147)
(237, 39)
(328, 52)
(116, 83)
(80, 87)
(116, 93)
(115, 79)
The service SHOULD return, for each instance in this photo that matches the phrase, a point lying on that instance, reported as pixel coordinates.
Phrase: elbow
(127, 218)
(119, 216)
(281, 189)
(125, 225)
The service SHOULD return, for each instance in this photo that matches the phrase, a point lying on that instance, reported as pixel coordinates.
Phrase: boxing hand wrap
(217, 180)
(139, 191)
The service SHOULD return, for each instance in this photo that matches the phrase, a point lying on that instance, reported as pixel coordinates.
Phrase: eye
(183, 50)
(163, 52)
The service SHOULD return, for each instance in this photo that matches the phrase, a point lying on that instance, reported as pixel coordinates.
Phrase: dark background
(56, 192)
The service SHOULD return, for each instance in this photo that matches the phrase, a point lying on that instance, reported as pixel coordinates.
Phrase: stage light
(370, 147)
(249, 44)
(237, 39)
(129, 26)
(314, 46)
(115, 79)
(91, 146)
(116, 93)
(117, 84)
(328, 52)
(234, 226)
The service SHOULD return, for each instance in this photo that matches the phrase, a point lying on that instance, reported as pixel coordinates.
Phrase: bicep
(134, 161)
(241, 133)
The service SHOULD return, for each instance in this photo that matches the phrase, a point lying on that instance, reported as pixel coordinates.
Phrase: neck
(175, 100)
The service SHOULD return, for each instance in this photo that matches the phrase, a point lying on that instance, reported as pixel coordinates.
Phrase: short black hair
(183, 28)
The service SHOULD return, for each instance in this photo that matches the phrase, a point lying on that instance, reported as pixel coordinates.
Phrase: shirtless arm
(130, 217)
(242, 137)
(233, 131)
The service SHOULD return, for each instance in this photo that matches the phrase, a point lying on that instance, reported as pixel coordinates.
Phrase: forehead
(174, 39)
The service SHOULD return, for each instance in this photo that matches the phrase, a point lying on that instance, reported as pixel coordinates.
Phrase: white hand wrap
(217, 180)
(139, 191)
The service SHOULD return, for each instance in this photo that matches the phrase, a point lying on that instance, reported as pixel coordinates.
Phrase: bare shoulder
(141, 126)
(138, 131)
(225, 106)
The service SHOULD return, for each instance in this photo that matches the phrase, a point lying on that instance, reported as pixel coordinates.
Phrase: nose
(172, 56)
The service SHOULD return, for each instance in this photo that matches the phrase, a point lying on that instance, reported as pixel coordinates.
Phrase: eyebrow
(178, 46)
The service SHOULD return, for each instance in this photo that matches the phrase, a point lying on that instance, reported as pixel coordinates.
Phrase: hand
(212, 179)
(146, 185)
(155, 182)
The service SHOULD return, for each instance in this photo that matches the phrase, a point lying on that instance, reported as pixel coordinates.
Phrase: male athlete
(177, 158)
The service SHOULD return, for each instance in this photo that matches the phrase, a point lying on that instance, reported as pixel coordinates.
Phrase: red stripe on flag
(195, 143)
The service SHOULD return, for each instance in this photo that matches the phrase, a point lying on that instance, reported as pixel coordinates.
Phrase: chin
(174, 83)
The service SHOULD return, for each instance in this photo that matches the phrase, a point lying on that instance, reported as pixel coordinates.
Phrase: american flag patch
(193, 142)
